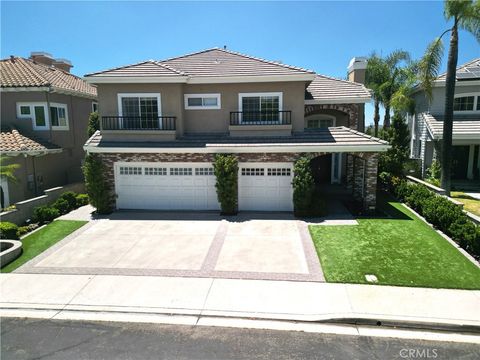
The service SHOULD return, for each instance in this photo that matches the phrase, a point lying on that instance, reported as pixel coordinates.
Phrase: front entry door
(460, 162)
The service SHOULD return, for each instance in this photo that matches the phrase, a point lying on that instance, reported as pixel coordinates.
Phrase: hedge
(226, 172)
(438, 211)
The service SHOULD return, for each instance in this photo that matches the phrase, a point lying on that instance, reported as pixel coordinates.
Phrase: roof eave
(345, 100)
(31, 152)
(134, 79)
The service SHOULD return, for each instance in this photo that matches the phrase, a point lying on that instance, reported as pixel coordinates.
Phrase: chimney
(63, 64)
(357, 69)
(41, 57)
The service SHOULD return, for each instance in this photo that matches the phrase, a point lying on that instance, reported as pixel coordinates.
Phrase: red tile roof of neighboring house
(16, 72)
(14, 143)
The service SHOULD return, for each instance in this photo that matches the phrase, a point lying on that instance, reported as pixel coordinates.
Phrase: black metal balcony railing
(283, 117)
(138, 123)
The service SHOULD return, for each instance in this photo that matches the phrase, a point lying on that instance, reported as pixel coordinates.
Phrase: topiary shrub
(61, 205)
(226, 171)
(81, 200)
(303, 187)
(44, 214)
(93, 123)
(71, 198)
(8, 230)
(98, 189)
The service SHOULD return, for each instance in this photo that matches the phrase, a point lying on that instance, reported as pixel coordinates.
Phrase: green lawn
(42, 239)
(469, 204)
(401, 250)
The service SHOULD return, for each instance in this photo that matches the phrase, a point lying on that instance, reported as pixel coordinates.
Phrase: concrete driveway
(254, 246)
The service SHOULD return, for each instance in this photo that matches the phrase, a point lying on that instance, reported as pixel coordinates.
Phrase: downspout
(47, 115)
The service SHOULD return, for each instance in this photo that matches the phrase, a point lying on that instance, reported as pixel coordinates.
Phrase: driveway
(253, 246)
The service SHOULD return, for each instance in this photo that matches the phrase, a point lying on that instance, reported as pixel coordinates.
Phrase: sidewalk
(60, 296)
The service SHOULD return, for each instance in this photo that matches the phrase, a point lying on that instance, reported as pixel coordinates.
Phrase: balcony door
(260, 108)
(140, 111)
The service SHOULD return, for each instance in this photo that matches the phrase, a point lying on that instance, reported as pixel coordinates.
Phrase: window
(204, 172)
(130, 170)
(278, 172)
(320, 121)
(36, 111)
(478, 103)
(139, 110)
(94, 107)
(253, 172)
(260, 107)
(464, 103)
(202, 101)
(58, 116)
(155, 171)
(180, 171)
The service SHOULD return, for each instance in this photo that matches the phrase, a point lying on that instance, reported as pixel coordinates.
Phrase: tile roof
(14, 143)
(208, 63)
(464, 126)
(327, 89)
(467, 71)
(334, 136)
(20, 72)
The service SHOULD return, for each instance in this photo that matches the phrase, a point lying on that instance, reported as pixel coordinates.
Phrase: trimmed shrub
(303, 186)
(22, 230)
(44, 214)
(417, 196)
(98, 189)
(226, 171)
(93, 124)
(71, 198)
(61, 205)
(8, 230)
(81, 200)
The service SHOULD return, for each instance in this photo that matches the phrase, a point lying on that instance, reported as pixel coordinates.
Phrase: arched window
(319, 121)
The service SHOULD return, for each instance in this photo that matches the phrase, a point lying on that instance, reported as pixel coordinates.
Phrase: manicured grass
(469, 204)
(401, 250)
(42, 239)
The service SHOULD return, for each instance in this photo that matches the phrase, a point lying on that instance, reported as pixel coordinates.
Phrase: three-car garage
(191, 186)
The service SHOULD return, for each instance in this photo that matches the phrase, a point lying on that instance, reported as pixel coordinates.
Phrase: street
(47, 339)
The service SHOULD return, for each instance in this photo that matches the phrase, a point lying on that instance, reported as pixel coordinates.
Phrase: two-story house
(162, 122)
(44, 116)
(427, 124)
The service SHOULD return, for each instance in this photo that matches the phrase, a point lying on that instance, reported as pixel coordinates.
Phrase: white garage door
(165, 186)
(265, 186)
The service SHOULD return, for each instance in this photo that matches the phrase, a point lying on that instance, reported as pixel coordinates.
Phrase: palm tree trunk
(376, 116)
(386, 119)
(448, 115)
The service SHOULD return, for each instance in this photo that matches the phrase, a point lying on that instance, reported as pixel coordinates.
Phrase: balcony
(138, 123)
(249, 118)
(260, 123)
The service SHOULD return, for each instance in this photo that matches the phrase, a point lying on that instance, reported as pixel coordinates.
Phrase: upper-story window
(262, 107)
(37, 111)
(145, 105)
(202, 101)
(467, 103)
(58, 116)
(319, 121)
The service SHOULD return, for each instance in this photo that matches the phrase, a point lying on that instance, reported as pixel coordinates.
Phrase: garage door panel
(166, 186)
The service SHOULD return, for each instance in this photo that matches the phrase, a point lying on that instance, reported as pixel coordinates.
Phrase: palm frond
(470, 19)
(429, 66)
(397, 56)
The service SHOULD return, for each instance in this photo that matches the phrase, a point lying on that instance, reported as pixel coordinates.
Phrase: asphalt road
(46, 339)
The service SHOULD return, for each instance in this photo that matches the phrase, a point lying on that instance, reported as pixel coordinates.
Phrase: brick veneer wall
(350, 109)
(356, 165)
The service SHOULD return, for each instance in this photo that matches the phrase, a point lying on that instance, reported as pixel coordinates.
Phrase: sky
(318, 35)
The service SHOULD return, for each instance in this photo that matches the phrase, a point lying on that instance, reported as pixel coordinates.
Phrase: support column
(349, 177)
(358, 178)
(370, 191)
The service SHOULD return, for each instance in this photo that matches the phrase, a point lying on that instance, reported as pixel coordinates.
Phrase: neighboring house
(44, 116)
(162, 122)
(427, 123)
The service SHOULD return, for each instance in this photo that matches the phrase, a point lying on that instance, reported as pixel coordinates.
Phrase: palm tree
(402, 100)
(465, 15)
(376, 75)
(7, 171)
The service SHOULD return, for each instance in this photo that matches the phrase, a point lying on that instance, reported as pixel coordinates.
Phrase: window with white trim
(130, 170)
(278, 172)
(319, 121)
(181, 171)
(260, 107)
(36, 111)
(202, 101)
(58, 116)
(204, 172)
(253, 172)
(467, 103)
(155, 171)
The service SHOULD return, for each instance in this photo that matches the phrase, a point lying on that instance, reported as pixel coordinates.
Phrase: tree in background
(465, 15)
(7, 172)
(93, 123)
(376, 74)
(394, 159)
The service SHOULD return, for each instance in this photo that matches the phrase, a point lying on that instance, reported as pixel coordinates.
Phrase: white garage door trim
(165, 186)
(265, 186)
